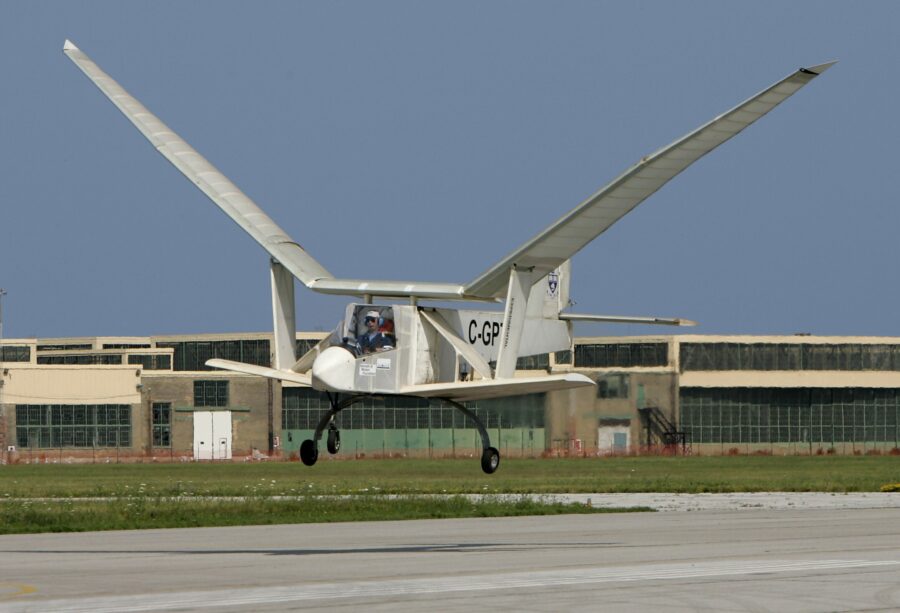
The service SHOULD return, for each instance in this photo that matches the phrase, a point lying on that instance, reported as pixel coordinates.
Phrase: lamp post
(2, 376)
(2, 294)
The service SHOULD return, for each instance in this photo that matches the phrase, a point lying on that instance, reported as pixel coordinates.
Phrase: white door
(613, 439)
(203, 443)
(212, 435)
(221, 425)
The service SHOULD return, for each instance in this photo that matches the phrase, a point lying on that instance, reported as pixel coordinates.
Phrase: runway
(746, 560)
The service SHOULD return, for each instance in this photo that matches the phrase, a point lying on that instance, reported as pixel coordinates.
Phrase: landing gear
(334, 439)
(490, 460)
(490, 457)
(309, 452)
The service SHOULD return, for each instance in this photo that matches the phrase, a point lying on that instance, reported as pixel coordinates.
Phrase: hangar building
(153, 398)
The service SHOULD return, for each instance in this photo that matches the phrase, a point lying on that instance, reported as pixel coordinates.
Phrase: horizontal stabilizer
(625, 319)
(261, 371)
(497, 388)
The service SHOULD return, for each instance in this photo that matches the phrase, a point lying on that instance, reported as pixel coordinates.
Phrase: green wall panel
(439, 441)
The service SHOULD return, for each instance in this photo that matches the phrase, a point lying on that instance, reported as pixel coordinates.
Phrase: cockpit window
(374, 328)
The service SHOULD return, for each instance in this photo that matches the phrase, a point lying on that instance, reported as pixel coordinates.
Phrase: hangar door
(212, 435)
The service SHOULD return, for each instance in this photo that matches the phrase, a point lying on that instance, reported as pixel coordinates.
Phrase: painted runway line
(393, 588)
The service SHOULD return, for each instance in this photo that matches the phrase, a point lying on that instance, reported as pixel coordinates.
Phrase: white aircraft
(416, 350)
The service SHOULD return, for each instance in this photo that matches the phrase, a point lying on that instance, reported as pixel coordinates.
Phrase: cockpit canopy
(370, 328)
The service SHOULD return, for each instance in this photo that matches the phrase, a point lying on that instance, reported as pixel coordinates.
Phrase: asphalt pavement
(742, 558)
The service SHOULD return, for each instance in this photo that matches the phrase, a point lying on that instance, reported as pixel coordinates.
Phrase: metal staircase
(660, 433)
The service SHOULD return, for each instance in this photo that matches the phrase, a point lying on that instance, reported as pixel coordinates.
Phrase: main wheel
(490, 460)
(309, 452)
(334, 440)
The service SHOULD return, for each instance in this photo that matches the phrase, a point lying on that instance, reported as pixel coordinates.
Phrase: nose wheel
(309, 449)
(309, 452)
(334, 439)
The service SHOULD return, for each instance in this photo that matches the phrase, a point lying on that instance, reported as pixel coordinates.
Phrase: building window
(81, 358)
(48, 426)
(788, 356)
(162, 424)
(563, 357)
(785, 415)
(612, 386)
(624, 355)
(15, 353)
(540, 361)
(151, 361)
(192, 355)
(65, 347)
(303, 345)
(210, 393)
(302, 408)
(126, 345)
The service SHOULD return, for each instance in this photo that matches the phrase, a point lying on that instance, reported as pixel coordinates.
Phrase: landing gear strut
(490, 457)
(309, 449)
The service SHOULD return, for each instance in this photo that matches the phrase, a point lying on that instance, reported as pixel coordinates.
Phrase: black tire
(309, 452)
(490, 460)
(334, 441)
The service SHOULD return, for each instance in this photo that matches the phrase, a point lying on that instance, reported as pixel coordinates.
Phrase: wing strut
(464, 349)
(284, 315)
(513, 321)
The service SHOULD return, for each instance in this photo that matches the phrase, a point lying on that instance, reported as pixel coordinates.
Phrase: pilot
(373, 339)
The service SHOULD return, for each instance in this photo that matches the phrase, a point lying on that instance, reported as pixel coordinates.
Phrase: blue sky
(424, 141)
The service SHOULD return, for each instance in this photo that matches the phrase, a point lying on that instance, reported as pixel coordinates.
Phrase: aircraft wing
(469, 390)
(543, 253)
(496, 388)
(584, 223)
(261, 371)
(239, 207)
(204, 175)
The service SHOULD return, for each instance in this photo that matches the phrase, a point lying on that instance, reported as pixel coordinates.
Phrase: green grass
(24, 516)
(639, 474)
(140, 495)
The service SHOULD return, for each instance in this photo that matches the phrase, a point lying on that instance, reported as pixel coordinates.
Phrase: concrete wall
(249, 400)
(574, 416)
(571, 421)
(33, 384)
(791, 379)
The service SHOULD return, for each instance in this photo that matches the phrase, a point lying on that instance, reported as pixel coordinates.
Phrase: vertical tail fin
(550, 295)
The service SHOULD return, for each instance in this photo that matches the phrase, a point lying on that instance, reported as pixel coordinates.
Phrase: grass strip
(24, 517)
(715, 474)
